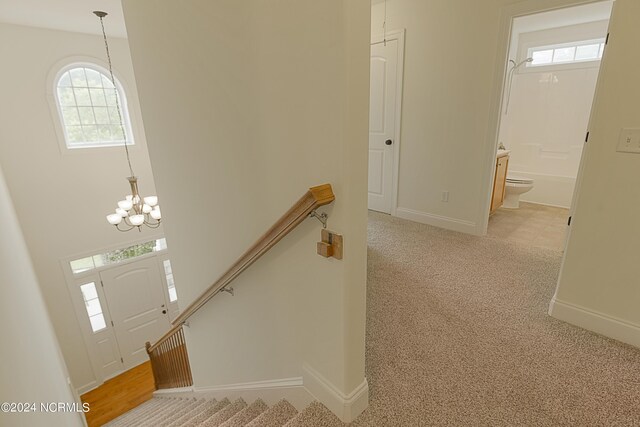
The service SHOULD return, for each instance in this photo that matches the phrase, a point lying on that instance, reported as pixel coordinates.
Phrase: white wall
(598, 286)
(548, 113)
(455, 57)
(31, 366)
(62, 197)
(247, 104)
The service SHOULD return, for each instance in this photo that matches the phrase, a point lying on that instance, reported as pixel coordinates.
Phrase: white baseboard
(346, 407)
(270, 391)
(600, 323)
(438, 221)
(88, 387)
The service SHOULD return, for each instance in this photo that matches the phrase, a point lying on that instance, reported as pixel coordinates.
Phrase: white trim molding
(270, 391)
(454, 224)
(347, 407)
(595, 321)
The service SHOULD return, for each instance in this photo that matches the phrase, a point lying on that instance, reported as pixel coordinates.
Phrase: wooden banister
(314, 198)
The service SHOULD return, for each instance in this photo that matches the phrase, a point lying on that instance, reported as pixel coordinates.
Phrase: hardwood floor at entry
(119, 395)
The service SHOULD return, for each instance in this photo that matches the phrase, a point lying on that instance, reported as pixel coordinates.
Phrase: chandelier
(134, 211)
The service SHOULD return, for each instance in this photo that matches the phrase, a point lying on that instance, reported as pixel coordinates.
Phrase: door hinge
(101, 283)
(112, 323)
(569, 222)
(606, 42)
(121, 360)
(586, 139)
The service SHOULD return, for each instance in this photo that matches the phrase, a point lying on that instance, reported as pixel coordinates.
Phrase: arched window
(86, 100)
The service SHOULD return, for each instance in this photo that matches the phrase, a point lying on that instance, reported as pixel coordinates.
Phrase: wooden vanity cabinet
(499, 182)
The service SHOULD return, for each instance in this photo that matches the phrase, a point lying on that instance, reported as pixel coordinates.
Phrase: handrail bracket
(322, 217)
(228, 290)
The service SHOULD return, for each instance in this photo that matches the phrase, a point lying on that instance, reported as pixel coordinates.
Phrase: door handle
(388, 142)
(164, 311)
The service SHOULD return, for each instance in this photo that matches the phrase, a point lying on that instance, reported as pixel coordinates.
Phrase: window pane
(542, 57)
(93, 307)
(65, 80)
(101, 115)
(106, 82)
(75, 134)
(89, 291)
(97, 323)
(116, 131)
(70, 116)
(93, 78)
(110, 95)
(590, 51)
(90, 133)
(81, 265)
(167, 267)
(601, 50)
(78, 78)
(65, 97)
(564, 54)
(97, 97)
(86, 115)
(173, 295)
(161, 244)
(82, 97)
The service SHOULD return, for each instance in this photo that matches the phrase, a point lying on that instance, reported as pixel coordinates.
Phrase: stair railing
(169, 358)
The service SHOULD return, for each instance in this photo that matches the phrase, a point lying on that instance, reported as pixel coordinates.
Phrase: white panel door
(135, 296)
(382, 124)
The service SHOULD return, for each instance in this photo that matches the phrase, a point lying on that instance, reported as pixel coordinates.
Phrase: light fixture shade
(136, 219)
(114, 219)
(146, 208)
(125, 204)
(122, 212)
(129, 197)
(151, 200)
(155, 213)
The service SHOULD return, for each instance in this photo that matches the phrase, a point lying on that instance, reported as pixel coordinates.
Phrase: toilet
(516, 186)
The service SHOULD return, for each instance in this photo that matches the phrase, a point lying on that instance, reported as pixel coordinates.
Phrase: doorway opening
(551, 75)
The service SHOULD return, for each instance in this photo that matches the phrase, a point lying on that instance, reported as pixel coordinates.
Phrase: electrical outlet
(445, 196)
(629, 141)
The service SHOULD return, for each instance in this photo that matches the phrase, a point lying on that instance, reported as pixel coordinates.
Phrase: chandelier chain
(113, 80)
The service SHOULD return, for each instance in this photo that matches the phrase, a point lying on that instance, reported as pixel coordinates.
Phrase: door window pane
(173, 295)
(92, 304)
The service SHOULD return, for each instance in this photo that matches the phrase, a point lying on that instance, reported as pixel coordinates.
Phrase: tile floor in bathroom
(531, 224)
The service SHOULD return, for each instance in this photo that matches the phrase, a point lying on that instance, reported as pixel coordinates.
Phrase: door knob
(164, 311)
(388, 142)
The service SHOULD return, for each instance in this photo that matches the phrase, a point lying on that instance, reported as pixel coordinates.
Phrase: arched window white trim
(86, 113)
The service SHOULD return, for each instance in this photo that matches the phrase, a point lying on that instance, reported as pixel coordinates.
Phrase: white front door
(382, 123)
(134, 293)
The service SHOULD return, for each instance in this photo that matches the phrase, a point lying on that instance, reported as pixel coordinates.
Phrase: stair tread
(198, 409)
(197, 419)
(315, 415)
(247, 415)
(224, 414)
(165, 411)
(278, 415)
(181, 412)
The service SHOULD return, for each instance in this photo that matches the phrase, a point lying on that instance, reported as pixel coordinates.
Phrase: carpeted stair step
(166, 412)
(195, 403)
(225, 413)
(199, 418)
(247, 415)
(315, 415)
(146, 408)
(198, 409)
(278, 415)
(151, 413)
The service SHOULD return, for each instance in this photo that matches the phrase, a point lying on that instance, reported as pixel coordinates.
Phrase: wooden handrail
(313, 199)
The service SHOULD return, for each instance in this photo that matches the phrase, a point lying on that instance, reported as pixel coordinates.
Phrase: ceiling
(69, 15)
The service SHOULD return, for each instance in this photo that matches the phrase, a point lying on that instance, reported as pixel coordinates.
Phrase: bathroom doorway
(553, 65)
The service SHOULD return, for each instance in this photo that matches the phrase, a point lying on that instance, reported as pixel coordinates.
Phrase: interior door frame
(399, 36)
(509, 13)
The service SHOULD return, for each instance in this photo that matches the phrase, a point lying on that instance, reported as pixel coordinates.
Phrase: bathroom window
(86, 101)
(566, 53)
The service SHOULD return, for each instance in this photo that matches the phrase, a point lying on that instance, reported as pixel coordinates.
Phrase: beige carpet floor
(458, 334)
